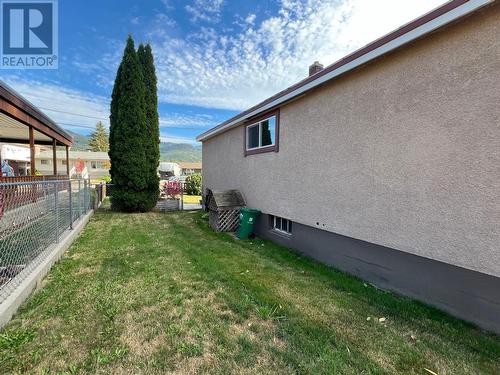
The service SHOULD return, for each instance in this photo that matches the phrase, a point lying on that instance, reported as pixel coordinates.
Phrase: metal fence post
(102, 190)
(46, 193)
(182, 196)
(89, 198)
(86, 200)
(84, 206)
(89, 201)
(79, 197)
(70, 206)
(56, 206)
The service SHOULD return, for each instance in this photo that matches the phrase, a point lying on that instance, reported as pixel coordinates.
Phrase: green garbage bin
(247, 222)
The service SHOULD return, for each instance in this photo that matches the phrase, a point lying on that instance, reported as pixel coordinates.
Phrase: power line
(192, 127)
(77, 126)
(93, 127)
(73, 114)
(106, 119)
(76, 97)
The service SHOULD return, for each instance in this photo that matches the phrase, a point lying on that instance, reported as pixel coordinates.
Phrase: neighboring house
(168, 170)
(188, 168)
(97, 163)
(407, 133)
(17, 157)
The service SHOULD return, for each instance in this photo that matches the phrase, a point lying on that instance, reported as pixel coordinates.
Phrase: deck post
(32, 162)
(32, 151)
(54, 156)
(67, 161)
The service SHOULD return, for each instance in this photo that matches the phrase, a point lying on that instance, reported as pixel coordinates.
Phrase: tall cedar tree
(146, 59)
(128, 137)
(99, 139)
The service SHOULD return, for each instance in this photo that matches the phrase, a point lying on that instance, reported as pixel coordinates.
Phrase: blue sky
(214, 58)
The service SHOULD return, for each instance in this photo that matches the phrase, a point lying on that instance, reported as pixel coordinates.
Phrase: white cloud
(78, 110)
(235, 71)
(179, 120)
(205, 10)
(163, 20)
(70, 108)
(174, 139)
(220, 69)
(102, 69)
(167, 4)
(250, 19)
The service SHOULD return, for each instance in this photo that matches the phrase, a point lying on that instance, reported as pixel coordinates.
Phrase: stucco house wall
(403, 152)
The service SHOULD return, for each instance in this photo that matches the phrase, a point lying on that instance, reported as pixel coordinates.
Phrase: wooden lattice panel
(224, 220)
(212, 219)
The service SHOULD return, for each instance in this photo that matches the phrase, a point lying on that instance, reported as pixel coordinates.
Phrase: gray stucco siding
(403, 153)
(470, 295)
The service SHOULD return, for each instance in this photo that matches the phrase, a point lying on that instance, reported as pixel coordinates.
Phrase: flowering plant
(172, 188)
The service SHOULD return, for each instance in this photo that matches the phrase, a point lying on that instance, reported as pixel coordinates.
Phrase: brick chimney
(315, 68)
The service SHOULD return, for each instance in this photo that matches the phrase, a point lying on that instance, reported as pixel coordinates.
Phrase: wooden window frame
(255, 121)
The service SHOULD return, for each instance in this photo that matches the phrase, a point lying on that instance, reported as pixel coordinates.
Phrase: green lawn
(155, 293)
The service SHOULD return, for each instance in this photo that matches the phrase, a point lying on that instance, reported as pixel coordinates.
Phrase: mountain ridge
(169, 151)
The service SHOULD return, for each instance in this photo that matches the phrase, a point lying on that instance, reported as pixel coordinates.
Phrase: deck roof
(17, 114)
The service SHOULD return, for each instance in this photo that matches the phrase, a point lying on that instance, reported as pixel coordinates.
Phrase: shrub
(193, 184)
(172, 189)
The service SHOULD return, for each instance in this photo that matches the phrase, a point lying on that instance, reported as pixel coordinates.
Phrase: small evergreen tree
(99, 139)
(152, 137)
(128, 130)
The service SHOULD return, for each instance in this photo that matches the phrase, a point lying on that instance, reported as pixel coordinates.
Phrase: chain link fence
(33, 218)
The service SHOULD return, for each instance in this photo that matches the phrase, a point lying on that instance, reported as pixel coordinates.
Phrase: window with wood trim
(261, 135)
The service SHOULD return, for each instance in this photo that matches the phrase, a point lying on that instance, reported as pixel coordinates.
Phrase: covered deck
(23, 124)
(37, 213)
